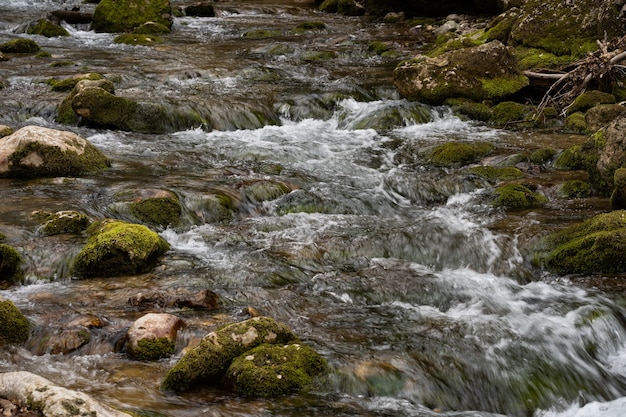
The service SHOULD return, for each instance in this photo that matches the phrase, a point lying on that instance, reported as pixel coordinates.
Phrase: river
(419, 294)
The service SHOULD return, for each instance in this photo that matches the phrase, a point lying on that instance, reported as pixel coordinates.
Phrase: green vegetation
(10, 264)
(14, 327)
(459, 153)
(493, 174)
(517, 197)
(47, 28)
(20, 46)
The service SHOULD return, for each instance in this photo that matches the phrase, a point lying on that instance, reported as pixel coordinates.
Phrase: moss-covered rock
(5, 131)
(67, 221)
(508, 112)
(595, 246)
(275, 370)
(588, 99)
(494, 174)
(314, 25)
(458, 153)
(542, 155)
(265, 190)
(575, 123)
(618, 196)
(14, 327)
(68, 84)
(601, 115)
(151, 28)
(153, 336)
(575, 189)
(343, 7)
(200, 9)
(208, 362)
(157, 207)
(119, 248)
(65, 111)
(102, 108)
(470, 109)
(517, 197)
(137, 39)
(315, 56)
(47, 28)
(35, 151)
(10, 264)
(20, 46)
(486, 72)
(261, 33)
(126, 15)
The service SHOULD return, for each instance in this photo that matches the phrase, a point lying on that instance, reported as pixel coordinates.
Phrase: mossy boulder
(65, 111)
(137, 39)
(157, 207)
(542, 155)
(68, 84)
(14, 327)
(208, 362)
(119, 248)
(575, 123)
(507, 112)
(470, 109)
(275, 370)
(343, 7)
(618, 196)
(517, 197)
(588, 99)
(35, 151)
(612, 155)
(452, 154)
(315, 56)
(314, 25)
(47, 28)
(486, 72)
(125, 15)
(596, 245)
(20, 46)
(575, 189)
(151, 28)
(567, 28)
(10, 264)
(494, 174)
(153, 336)
(265, 190)
(66, 221)
(602, 115)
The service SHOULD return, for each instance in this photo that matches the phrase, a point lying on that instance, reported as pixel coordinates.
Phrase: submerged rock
(35, 151)
(126, 15)
(14, 327)
(208, 362)
(53, 401)
(118, 248)
(157, 207)
(153, 336)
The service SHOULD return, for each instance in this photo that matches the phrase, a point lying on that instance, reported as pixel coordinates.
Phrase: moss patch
(575, 189)
(517, 197)
(14, 327)
(126, 15)
(20, 46)
(47, 28)
(153, 349)
(67, 84)
(138, 39)
(65, 222)
(10, 262)
(496, 173)
(159, 211)
(459, 153)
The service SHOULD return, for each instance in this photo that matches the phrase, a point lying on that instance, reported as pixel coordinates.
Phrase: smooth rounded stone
(153, 336)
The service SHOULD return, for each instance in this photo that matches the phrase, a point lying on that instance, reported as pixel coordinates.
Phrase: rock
(14, 327)
(589, 99)
(507, 112)
(613, 154)
(55, 341)
(201, 300)
(458, 153)
(156, 207)
(126, 15)
(343, 7)
(601, 115)
(35, 151)
(260, 191)
(53, 401)
(151, 28)
(5, 131)
(567, 27)
(3, 58)
(575, 189)
(20, 46)
(200, 9)
(517, 197)
(208, 362)
(66, 221)
(68, 84)
(10, 264)
(47, 28)
(596, 245)
(119, 248)
(486, 72)
(494, 174)
(137, 39)
(275, 370)
(65, 111)
(153, 336)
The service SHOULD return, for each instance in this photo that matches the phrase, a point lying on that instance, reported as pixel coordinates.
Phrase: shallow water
(417, 292)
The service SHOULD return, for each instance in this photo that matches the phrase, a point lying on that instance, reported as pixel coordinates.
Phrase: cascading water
(402, 275)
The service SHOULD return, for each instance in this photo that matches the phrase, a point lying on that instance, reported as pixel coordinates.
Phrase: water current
(418, 293)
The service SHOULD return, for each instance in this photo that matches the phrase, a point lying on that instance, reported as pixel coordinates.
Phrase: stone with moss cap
(20, 46)
(118, 248)
(153, 336)
(126, 15)
(275, 370)
(157, 207)
(452, 154)
(485, 72)
(10, 264)
(208, 362)
(35, 151)
(596, 245)
(517, 197)
(65, 221)
(14, 327)
(47, 28)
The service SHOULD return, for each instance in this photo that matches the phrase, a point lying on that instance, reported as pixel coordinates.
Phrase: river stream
(419, 294)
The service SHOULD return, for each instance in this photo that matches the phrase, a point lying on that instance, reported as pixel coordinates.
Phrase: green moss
(151, 28)
(119, 248)
(153, 349)
(588, 99)
(265, 191)
(272, 371)
(542, 155)
(43, 54)
(47, 28)
(575, 123)
(517, 197)
(10, 263)
(105, 109)
(500, 87)
(459, 153)
(20, 46)
(208, 362)
(164, 211)
(500, 28)
(313, 56)
(496, 173)
(378, 47)
(67, 84)
(343, 7)
(137, 39)
(261, 33)
(312, 25)
(575, 189)
(126, 15)
(508, 112)
(530, 58)
(473, 110)
(65, 222)
(14, 327)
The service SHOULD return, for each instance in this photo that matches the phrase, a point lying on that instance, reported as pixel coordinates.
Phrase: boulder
(486, 72)
(613, 154)
(200, 9)
(65, 221)
(176, 298)
(601, 115)
(35, 151)
(156, 207)
(208, 362)
(458, 153)
(125, 15)
(53, 401)
(55, 341)
(153, 336)
(20, 46)
(596, 245)
(65, 111)
(10, 264)
(14, 327)
(275, 370)
(47, 28)
(517, 197)
(567, 27)
(118, 248)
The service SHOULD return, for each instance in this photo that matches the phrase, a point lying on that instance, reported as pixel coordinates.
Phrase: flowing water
(419, 294)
